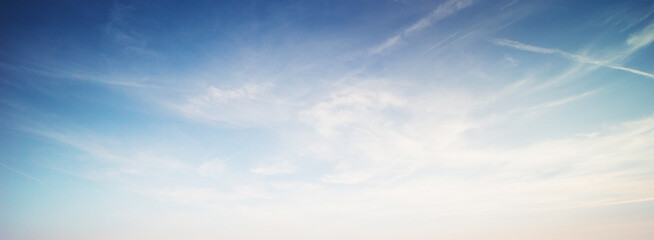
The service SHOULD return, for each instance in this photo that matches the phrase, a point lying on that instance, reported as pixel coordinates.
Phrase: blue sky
(408, 119)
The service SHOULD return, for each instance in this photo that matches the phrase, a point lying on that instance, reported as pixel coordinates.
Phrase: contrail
(578, 58)
(32, 178)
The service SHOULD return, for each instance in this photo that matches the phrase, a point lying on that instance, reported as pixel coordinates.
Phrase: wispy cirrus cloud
(444, 10)
(211, 168)
(641, 39)
(119, 29)
(110, 157)
(638, 42)
(276, 168)
(38, 180)
(249, 103)
(52, 72)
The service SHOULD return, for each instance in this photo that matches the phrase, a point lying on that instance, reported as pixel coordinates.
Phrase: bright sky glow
(403, 119)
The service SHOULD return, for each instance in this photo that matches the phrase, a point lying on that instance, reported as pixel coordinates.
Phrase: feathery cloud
(442, 11)
(39, 181)
(640, 42)
(641, 39)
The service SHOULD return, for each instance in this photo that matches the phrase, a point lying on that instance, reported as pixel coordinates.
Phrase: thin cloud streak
(43, 72)
(32, 178)
(641, 39)
(439, 43)
(575, 57)
(442, 11)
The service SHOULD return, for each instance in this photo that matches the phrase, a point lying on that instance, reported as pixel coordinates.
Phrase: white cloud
(277, 168)
(349, 106)
(641, 39)
(247, 104)
(524, 47)
(109, 157)
(120, 30)
(350, 177)
(442, 11)
(381, 130)
(578, 58)
(206, 197)
(211, 168)
(609, 167)
(38, 180)
(56, 72)
(218, 96)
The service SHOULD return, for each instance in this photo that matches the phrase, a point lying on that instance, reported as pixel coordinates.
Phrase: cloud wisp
(444, 10)
(641, 39)
(576, 57)
(39, 181)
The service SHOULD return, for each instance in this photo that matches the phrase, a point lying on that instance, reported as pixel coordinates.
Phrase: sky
(404, 119)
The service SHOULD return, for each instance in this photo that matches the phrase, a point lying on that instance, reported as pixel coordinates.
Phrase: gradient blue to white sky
(405, 119)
